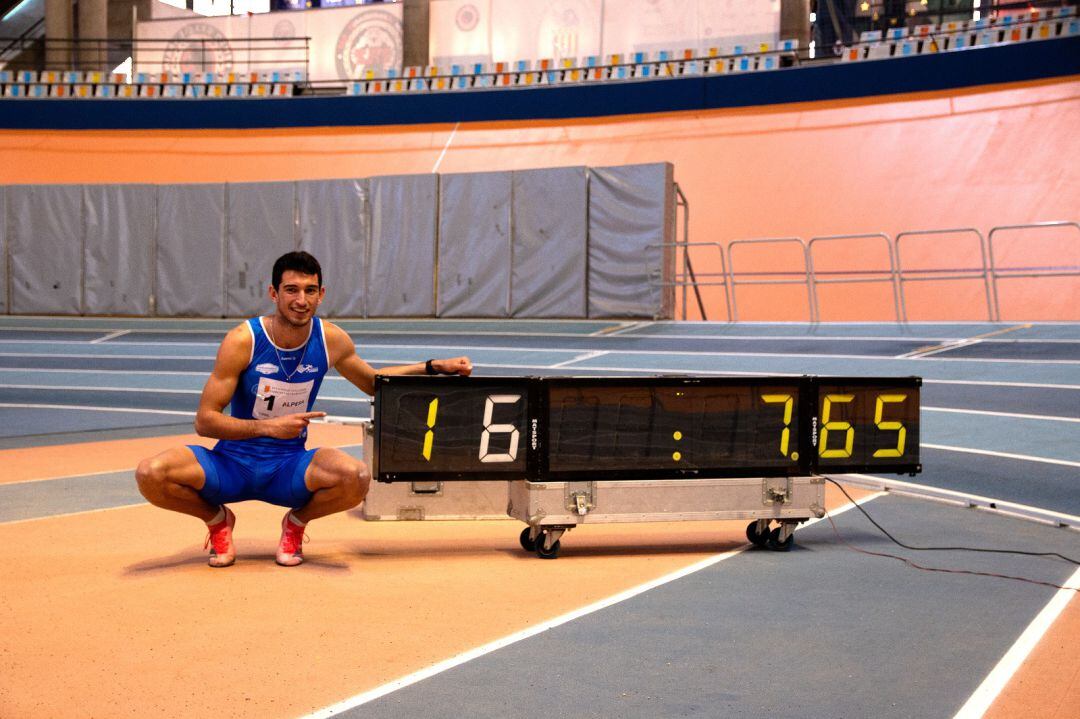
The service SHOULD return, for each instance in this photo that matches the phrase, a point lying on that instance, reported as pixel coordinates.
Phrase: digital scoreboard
(604, 428)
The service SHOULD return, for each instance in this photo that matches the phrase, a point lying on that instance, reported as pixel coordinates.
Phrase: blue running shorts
(234, 478)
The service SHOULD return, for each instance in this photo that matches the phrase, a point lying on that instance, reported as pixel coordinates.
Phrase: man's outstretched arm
(349, 364)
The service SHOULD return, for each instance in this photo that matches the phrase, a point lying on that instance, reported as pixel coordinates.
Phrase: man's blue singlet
(276, 382)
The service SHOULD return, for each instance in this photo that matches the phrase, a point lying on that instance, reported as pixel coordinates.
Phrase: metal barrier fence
(988, 269)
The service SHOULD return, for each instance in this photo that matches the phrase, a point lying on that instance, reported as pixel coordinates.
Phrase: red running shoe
(290, 551)
(222, 550)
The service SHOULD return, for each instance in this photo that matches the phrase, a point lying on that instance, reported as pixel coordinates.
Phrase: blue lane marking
(928, 368)
(22, 421)
(1038, 438)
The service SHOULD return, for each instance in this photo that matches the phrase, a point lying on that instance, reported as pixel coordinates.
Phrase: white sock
(218, 518)
(293, 519)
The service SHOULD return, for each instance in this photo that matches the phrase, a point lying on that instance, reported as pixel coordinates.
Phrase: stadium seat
(419, 84)
(216, 89)
(126, 90)
(59, 91)
(194, 90)
(621, 72)
(283, 89)
(104, 91)
(14, 91)
(768, 62)
(49, 77)
(667, 69)
(692, 67)
(645, 70)
(529, 78)
(82, 90)
(149, 91)
(716, 66)
(172, 89)
(896, 33)
(261, 89)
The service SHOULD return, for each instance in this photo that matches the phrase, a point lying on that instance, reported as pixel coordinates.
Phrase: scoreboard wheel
(527, 542)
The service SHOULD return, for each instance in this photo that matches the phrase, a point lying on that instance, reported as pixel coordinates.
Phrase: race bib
(275, 398)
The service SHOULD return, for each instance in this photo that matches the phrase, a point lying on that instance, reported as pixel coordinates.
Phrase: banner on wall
(508, 30)
(460, 31)
(343, 40)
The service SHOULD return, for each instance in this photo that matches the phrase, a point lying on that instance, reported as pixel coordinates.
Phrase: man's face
(297, 297)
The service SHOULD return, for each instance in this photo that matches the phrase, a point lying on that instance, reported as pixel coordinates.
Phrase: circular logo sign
(467, 18)
(284, 29)
(197, 47)
(371, 39)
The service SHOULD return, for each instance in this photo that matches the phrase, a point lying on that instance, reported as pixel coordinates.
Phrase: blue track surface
(992, 388)
(759, 634)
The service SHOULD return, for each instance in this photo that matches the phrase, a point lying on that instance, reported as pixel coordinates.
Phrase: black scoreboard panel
(454, 427)
(567, 428)
(867, 425)
(672, 427)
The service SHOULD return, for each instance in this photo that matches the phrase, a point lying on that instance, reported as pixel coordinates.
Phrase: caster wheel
(758, 540)
(773, 541)
(546, 553)
(526, 542)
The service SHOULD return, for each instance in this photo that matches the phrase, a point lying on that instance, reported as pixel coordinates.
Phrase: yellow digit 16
(788, 401)
(835, 426)
(879, 409)
(429, 436)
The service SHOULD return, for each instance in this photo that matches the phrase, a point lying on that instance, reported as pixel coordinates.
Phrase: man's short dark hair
(300, 262)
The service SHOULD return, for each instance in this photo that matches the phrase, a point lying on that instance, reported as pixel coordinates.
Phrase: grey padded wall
(191, 237)
(260, 227)
(551, 215)
(46, 247)
(334, 228)
(630, 212)
(401, 258)
(119, 257)
(474, 245)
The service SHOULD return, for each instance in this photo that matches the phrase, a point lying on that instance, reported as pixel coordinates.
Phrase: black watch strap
(429, 368)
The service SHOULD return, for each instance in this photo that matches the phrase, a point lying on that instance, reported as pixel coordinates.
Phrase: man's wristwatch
(429, 368)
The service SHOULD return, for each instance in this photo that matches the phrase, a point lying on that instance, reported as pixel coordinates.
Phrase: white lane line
(10, 522)
(428, 672)
(1013, 415)
(579, 358)
(111, 335)
(979, 702)
(1005, 455)
(514, 366)
(490, 365)
(944, 347)
(90, 408)
(149, 390)
(627, 327)
(445, 148)
(984, 383)
(501, 348)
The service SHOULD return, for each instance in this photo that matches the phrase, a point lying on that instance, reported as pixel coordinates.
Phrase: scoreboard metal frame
(449, 434)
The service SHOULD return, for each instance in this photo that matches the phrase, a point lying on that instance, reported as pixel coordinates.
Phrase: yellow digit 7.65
(789, 401)
(835, 426)
(898, 427)
(429, 436)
